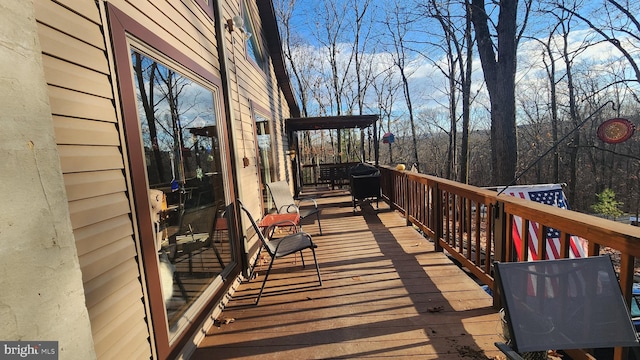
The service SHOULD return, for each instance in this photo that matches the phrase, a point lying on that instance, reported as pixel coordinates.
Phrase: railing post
(391, 188)
(626, 285)
(500, 243)
(499, 231)
(405, 180)
(437, 216)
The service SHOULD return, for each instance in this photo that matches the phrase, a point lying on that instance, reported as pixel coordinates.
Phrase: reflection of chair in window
(563, 304)
(281, 247)
(195, 235)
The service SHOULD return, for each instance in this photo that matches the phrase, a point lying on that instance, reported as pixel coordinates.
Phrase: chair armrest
(287, 207)
(315, 203)
(269, 230)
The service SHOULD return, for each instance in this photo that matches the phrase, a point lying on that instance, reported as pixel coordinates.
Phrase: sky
(426, 80)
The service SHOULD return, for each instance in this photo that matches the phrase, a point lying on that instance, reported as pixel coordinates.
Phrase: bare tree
(466, 70)
(145, 72)
(568, 58)
(386, 88)
(620, 21)
(362, 35)
(362, 29)
(398, 22)
(284, 10)
(457, 45)
(499, 67)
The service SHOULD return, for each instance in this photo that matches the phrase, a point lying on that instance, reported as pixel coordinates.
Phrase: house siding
(78, 75)
(249, 83)
(85, 109)
(42, 295)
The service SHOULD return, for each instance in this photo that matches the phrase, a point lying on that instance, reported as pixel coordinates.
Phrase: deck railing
(333, 174)
(475, 225)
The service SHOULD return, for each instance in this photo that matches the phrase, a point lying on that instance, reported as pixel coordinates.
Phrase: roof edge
(274, 43)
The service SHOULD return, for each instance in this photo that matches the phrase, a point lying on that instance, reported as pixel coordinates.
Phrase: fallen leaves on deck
(223, 321)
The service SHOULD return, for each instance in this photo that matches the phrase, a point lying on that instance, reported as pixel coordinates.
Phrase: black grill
(364, 180)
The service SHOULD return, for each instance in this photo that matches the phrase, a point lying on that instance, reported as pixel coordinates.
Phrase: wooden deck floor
(386, 295)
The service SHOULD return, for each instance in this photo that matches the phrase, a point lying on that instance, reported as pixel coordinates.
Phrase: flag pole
(515, 179)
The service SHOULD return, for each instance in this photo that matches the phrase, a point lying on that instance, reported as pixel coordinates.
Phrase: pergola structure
(361, 122)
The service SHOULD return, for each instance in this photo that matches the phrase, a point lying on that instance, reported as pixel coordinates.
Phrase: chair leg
(264, 282)
(178, 281)
(302, 258)
(255, 262)
(317, 267)
(319, 226)
(218, 256)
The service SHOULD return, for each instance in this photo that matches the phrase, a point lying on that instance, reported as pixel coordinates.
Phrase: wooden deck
(386, 294)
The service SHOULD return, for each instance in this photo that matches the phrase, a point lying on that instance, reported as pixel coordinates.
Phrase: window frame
(124, 31)
(256, 39)
(207, 7)
(256, 109)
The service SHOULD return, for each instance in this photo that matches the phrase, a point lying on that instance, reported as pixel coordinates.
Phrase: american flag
(550, 194)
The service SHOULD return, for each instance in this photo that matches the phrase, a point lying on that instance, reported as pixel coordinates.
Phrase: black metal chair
(281, 247)
(563, 304)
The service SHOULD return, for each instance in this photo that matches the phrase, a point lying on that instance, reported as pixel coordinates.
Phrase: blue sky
(426, 80)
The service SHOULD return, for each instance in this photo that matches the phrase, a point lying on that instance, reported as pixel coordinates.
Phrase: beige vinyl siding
(67, 48)
(87, 131)
(76, 158)
(85, 124)
(79, 79)
(90, 184)
(86, 9)
(251, 85)
(180, 23)
(80, 131)
(60, 18)
(75, 104)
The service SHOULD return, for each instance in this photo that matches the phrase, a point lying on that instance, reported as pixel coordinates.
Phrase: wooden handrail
(474, 225)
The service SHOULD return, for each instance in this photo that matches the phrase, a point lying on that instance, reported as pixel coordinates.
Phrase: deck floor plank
(382, 286)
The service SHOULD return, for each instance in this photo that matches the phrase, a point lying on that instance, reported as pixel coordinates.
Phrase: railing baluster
(488, 237)
(476, 233)
(542, 242)
(509, 248)
(436, 197)
(459, 222)
(564, 244)
(524, 240)
(443, 208)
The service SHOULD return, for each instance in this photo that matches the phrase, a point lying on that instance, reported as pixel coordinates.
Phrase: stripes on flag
(550, 194)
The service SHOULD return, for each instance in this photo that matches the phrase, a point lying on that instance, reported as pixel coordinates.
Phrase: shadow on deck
(386, 294)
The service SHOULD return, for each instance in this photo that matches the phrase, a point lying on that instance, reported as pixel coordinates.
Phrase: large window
(254, 51)
(178, 121)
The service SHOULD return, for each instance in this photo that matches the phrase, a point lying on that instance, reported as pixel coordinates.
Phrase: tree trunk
(466, 100)
(148, 104)
(500, 79)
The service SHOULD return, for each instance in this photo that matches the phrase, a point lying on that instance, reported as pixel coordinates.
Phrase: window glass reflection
(265, 157)
(185, 178)
(253, 47)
